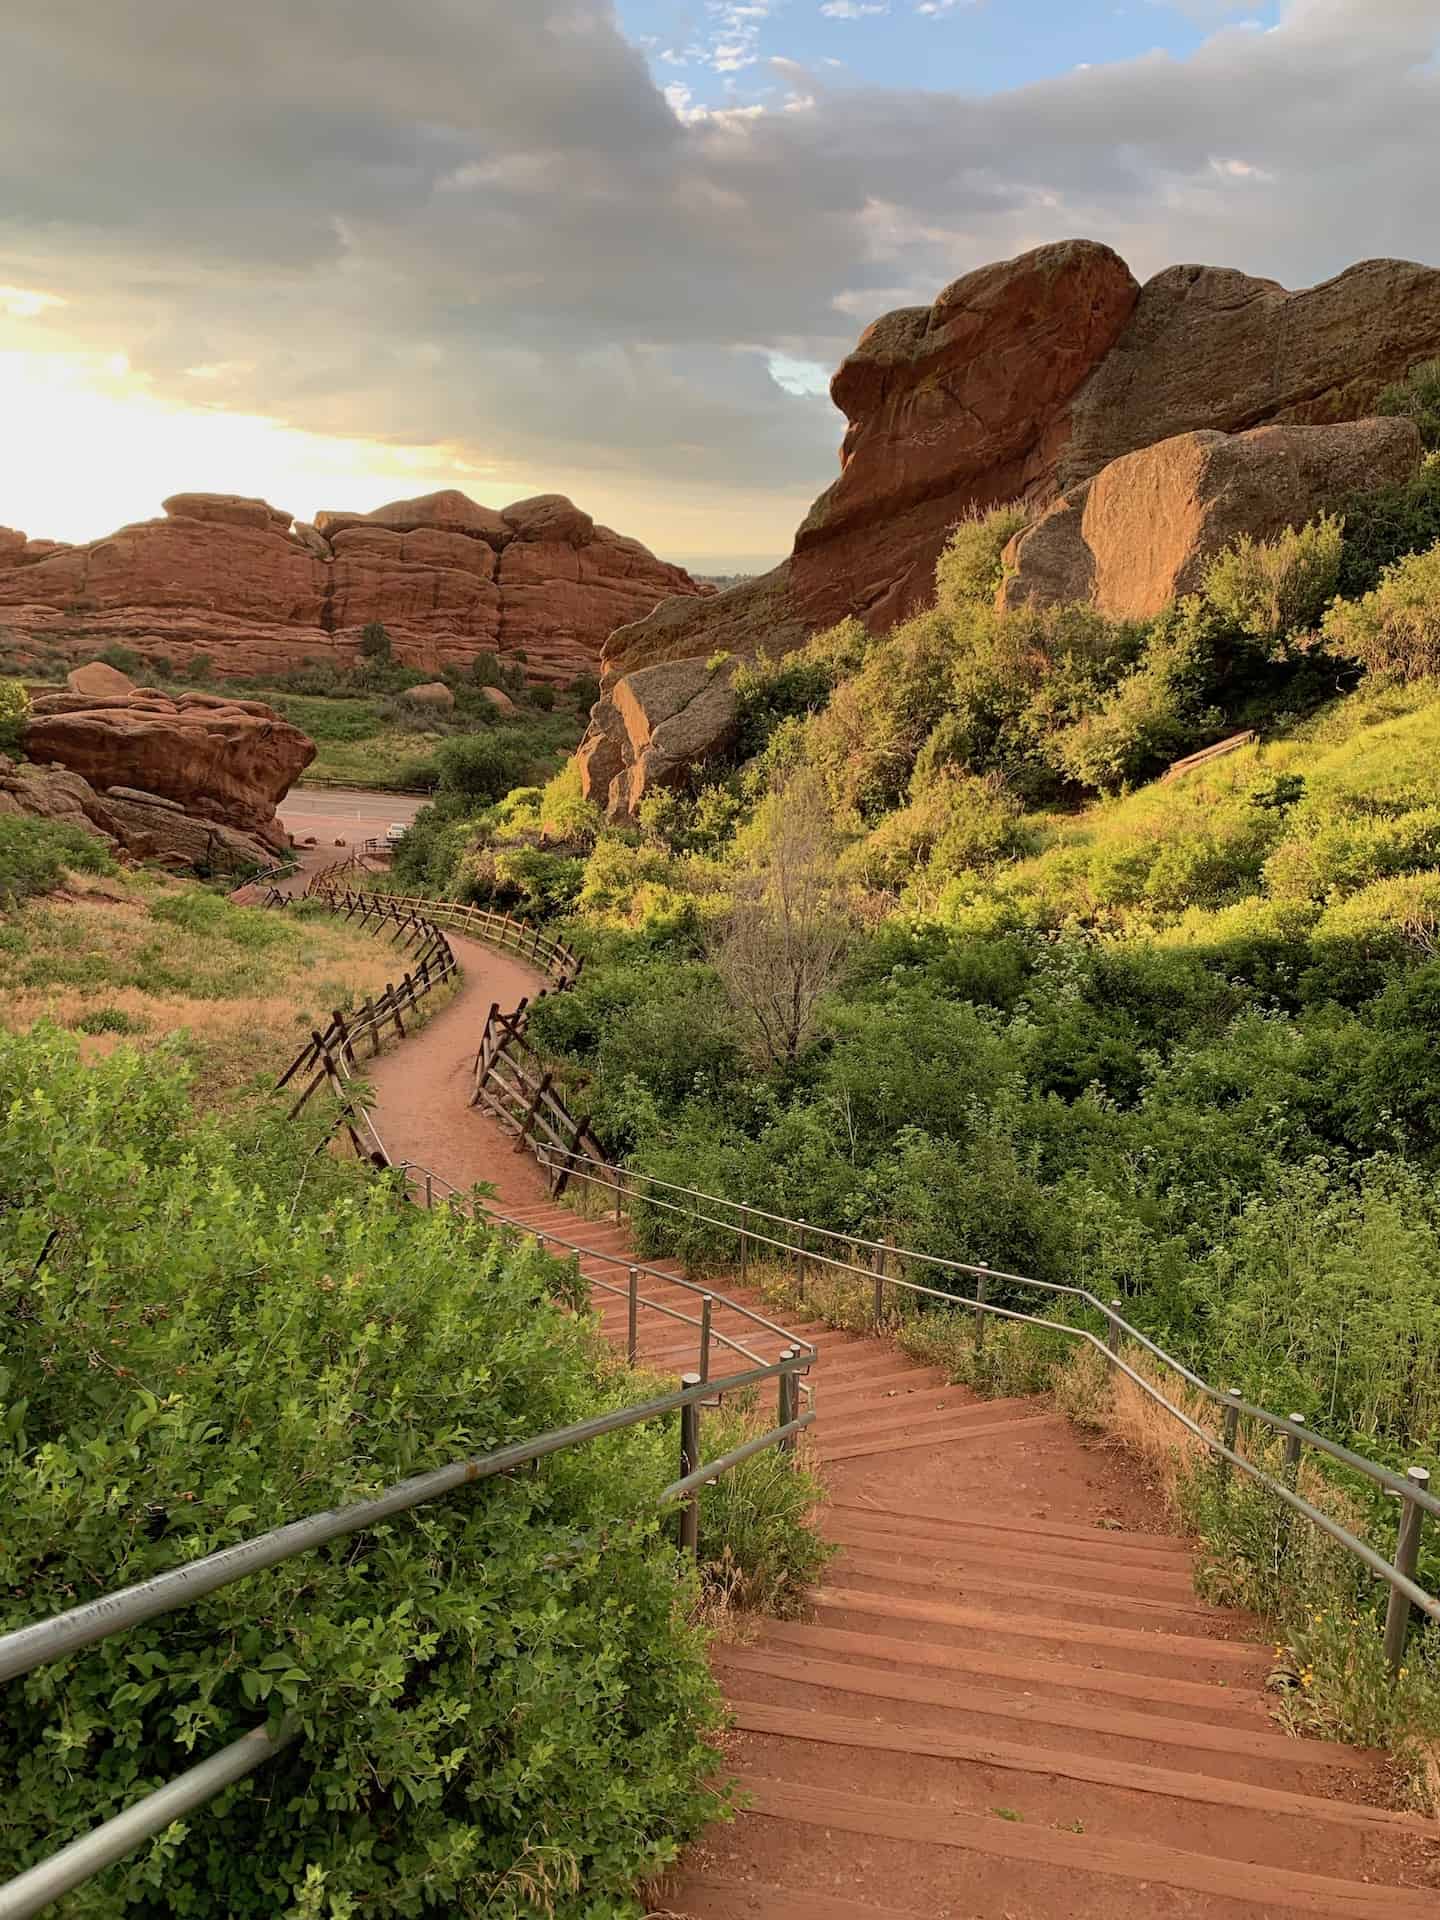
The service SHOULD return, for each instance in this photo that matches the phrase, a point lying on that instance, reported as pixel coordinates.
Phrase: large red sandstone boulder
(435, 695)
(99, 680)
(1025, 379)
(228, 577)
(228, 762)
(656, 725)
(1144, 530)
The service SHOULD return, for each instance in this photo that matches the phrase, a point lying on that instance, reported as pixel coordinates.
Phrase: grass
(137, 958)
(376, 742)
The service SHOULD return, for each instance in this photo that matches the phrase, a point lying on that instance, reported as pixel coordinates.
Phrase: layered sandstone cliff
(235, 580)
(1022, 381)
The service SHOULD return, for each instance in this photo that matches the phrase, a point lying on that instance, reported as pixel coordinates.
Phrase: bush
(1155, 714)
(483, 767)
(1394, 632)
(971, 568)
(1384, 524)
(14, 711)
(35, 854)
(1274, 590)
(1417, 398)
(502, 1705)
(375, 643)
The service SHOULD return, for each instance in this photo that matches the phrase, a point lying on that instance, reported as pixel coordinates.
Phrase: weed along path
(1005, 1701)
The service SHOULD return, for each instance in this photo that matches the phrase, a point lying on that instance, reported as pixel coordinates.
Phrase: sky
(335, 252)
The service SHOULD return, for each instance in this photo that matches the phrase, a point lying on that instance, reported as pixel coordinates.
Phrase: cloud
(484, 225)
(853, 9)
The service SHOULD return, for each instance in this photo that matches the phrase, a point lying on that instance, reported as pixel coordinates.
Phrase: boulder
(229, 763)
(433, 694)
(652, 729)
(1023, 380)
(142, 825)
(499, 699)
(1143, 531)
(227, 577)
(99, 680)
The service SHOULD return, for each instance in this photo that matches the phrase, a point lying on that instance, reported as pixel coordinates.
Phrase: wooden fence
(1217, 752)
(511, 1081)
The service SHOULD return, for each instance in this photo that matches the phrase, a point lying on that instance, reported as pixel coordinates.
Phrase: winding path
(1005, 1702)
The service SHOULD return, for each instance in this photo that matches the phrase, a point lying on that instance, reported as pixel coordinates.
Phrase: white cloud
(26, 303)
(853, 9)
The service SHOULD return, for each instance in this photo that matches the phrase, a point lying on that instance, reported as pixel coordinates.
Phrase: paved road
(344, 813)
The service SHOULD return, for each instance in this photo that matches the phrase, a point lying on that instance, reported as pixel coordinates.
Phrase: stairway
(1005, 1702)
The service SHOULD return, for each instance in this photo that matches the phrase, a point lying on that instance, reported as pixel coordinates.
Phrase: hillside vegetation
(935, 958)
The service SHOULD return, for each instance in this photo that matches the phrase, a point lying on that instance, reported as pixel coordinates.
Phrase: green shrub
(34, 856)
(971, 568)
(1394, 632)
(1383, 524)
(502, 1705)
(375, 643)
(1154, 715)
(484, 767)
(1417, 398)
(14, 711)
(1275, 590)
(123, 659)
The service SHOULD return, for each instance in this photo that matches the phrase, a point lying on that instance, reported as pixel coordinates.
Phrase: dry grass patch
(145, 960)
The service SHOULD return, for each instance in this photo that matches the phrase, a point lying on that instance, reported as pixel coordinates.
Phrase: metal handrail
(433, 1181)
(26, 1648)
(1412, 1489)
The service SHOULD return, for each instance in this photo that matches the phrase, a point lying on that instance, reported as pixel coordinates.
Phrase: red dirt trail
(1005, 1702)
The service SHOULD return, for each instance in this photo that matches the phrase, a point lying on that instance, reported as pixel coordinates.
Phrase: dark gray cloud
(480, 221)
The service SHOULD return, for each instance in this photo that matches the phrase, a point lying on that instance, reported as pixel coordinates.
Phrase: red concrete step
(1131, 1799)
(701, 1899)
(936, 1842)
(1084, 1570)
(1140, 1650)
(868, 1573)
(860, 1447)
(902, 1517)
(862, 1641)
(783, 1676)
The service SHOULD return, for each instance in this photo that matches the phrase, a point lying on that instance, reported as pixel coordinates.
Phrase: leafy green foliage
(14, 711)
(1394, 631)
(375, 643)
(1383, 524)
(210, 1334)
(35, 855)
(971, 569)
(1276, 590)
(1417, 398)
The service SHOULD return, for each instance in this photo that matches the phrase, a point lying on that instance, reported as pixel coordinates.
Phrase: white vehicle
(396, 831)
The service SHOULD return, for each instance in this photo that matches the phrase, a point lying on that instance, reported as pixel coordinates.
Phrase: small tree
(375, 643)
(14, 711)
(781, 946)
(1417, 398)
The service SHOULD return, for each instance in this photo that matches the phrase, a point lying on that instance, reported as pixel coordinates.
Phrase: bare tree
(780, 947)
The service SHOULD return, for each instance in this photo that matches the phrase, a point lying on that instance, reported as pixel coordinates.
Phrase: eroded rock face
(230, 578)
(652, 729)
(142, 825)
(226, 762)
(1143, 531)
(1024, 380)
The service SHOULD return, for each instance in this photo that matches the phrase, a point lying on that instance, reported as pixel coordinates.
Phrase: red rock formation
(227, 761)
(1025, 379)
(230, 578)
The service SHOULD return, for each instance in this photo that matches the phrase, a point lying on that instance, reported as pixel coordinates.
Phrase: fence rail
(85, 1626)
(880, 1267)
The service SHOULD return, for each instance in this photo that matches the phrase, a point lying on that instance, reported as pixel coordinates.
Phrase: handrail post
(632, 1334)
(785, 1412)
(1112, 1328)
(707, 1308)
(1231, 1433)
(1407, 1559)
(689, 1528)
(1293, 1443)
(744, 1239)
(982, 1288)
(880, 1261)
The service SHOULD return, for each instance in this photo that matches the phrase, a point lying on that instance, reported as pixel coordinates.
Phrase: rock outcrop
(1022, 381)
(653, 727)
(231, 579)
(194, 780)
(1142, 532)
